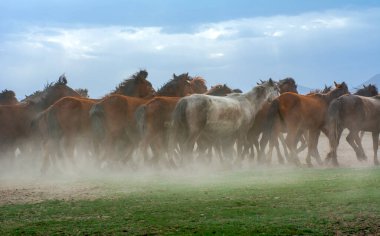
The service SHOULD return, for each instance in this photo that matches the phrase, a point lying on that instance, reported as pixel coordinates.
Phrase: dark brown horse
(299, 113)
(356, 113)
(113, 119)
(68, 120)
(15, 120)
(8, 97)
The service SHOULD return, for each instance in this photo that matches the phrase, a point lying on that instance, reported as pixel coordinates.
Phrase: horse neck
(252, 97)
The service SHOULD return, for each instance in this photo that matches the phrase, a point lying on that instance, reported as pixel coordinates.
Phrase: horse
(367, 91)
(299, 113)
(15, 120)
(8, 97)
(356, 113)
(198, 85)
(226, 118)
(68, 120)
(325, 90)
(285, 85)
(154, 121)
(113, 118)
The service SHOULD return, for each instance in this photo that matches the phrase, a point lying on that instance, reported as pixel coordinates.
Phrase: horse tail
(334, 114)
(46, 124)
(97, 121)
(179, 118)
(140, 119)
(273, 115)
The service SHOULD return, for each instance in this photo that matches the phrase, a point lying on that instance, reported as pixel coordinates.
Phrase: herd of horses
(183, 121)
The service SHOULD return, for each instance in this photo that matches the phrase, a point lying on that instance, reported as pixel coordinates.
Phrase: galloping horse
(356, 113)
(217, 117)
(113, 118)
(154, 121)
(302, 112)
(8, 97)
(15, 120)
(285, 85)
(68, 119)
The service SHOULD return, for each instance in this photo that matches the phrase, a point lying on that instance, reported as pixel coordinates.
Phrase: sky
(97, 44)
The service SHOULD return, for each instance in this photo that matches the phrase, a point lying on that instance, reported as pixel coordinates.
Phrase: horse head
(179, 86)
(219, 90)
(136, 86)
(8, 97)
(51, 93)
(198, 85)
(287, 85)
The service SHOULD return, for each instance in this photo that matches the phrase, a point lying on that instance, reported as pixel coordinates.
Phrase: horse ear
(335, 84)
(257, 83)
(174, 76)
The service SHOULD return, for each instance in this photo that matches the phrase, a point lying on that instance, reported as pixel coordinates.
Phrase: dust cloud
(21, 179)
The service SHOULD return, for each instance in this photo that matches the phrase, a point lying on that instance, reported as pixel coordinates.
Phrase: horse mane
(287, 80)
(198, 84)
(321, 91)
(6, 94)
(126, 83)
(82, 92)
(39, 95)
(237, 91)
(218, 88)
(172, 82)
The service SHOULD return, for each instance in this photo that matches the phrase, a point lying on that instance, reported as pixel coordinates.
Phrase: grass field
(259, 201)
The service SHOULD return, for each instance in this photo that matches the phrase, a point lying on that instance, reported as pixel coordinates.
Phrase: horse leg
(358, 141)
(314, 147)
(375, 141)
(350, 139)
(303, 140)
(284, 147)
(291, 141)
(279, 154)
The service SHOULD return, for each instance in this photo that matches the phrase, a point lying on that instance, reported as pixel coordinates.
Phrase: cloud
(314, 47)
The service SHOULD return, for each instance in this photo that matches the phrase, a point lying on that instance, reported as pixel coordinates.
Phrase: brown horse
(154, 122)
(113, 120)
(298, 113)
(15, 120)
(285, 85)
(8, 97)
(68, 120)
(356, 113)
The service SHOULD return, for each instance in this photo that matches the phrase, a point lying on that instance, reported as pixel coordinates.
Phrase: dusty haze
(22, 182)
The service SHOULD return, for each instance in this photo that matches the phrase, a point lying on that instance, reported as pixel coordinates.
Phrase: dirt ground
(22, 182)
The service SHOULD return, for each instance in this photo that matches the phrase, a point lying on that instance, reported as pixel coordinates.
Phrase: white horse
(218, 118)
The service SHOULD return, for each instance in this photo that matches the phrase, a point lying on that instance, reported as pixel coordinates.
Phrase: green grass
(282, 201)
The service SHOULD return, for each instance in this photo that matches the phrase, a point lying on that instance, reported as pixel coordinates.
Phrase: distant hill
(373, 80)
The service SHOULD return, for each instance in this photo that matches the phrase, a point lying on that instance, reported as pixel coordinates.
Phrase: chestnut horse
(68, 119)
(154, 121)
(8, 97)
(113, 119)
(15, 120)
(285, 85)
(356, 113)
(227, 118)
(299, 113)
